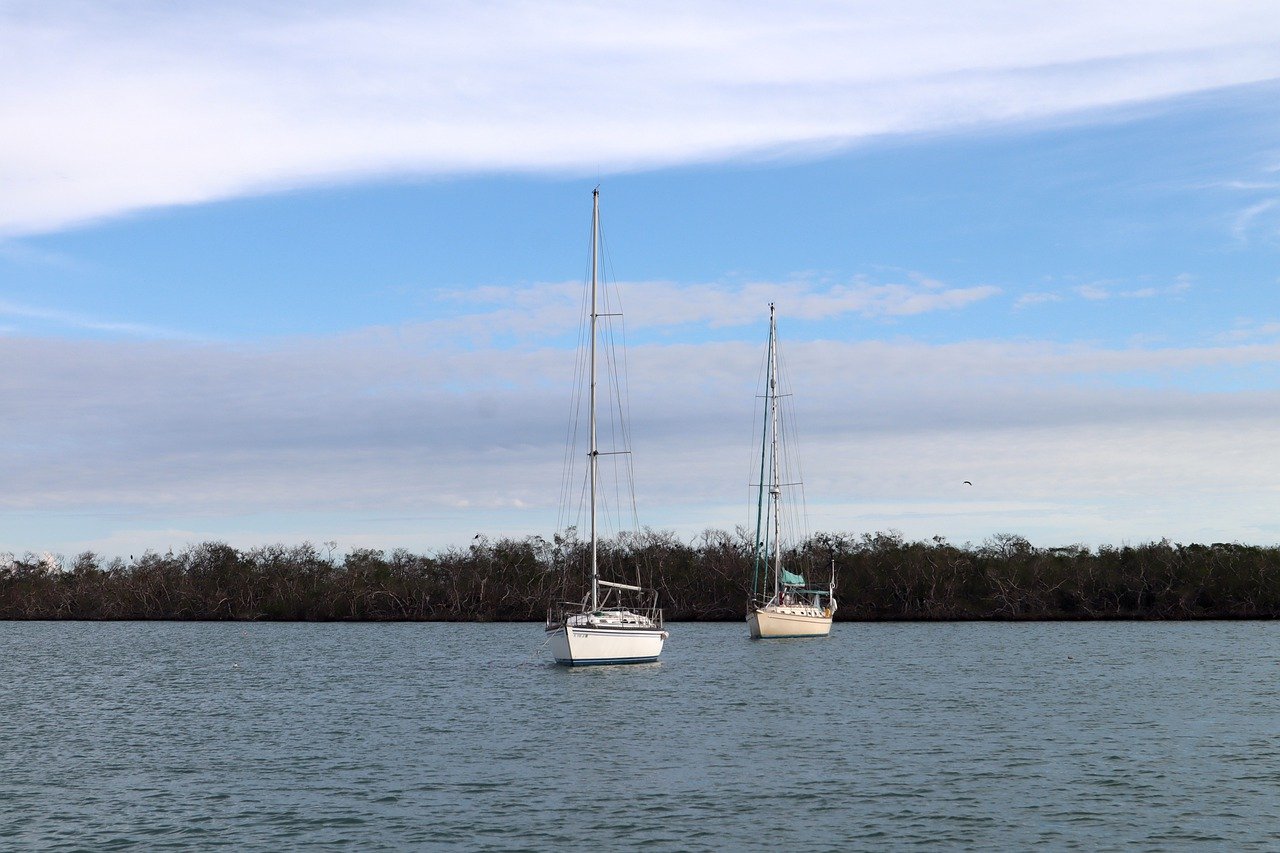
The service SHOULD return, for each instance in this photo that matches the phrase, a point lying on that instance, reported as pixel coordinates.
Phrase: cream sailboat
(602, 628)
(787, 607)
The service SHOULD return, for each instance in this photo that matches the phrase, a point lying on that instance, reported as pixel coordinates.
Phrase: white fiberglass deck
(605, 637)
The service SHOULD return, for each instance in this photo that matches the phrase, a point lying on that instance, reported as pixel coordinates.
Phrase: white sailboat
(788, 607)
(601, 630)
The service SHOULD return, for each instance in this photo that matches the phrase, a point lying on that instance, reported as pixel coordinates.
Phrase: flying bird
(967, 483)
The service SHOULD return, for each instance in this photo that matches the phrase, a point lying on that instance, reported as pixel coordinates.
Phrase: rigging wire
(621, 386)
(797, 513)
(613, 390)
(573, 488)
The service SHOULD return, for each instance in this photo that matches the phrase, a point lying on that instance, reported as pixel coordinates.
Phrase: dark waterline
(261, 736)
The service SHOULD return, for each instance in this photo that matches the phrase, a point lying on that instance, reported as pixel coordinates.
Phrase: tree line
(879, 576)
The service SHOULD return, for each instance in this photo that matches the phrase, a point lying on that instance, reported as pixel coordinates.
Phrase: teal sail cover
(792, 579)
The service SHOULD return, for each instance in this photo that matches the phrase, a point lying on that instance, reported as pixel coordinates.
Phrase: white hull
(767, 623)
(575, 645)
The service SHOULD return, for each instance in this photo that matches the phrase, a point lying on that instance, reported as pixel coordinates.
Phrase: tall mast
(592, 454)
(775, 489)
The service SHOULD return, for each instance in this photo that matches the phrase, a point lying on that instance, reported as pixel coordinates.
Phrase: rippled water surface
(270, 736)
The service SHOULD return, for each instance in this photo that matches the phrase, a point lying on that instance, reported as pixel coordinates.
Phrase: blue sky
(314, 274)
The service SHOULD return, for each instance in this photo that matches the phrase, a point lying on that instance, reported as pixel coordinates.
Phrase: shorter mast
(775, 488)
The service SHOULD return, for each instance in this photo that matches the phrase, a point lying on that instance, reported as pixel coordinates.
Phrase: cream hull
(766, 624)
(575, 645)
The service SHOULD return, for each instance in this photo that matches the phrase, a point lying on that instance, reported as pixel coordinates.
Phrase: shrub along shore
(880, 576)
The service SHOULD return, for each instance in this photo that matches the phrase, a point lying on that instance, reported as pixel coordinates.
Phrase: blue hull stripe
(606, 661)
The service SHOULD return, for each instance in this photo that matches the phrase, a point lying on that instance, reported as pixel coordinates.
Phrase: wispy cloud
(1251, 329)
(72, 320)
(1246, 220)
(525, 312)
(117, 107)
(1094, 291)
(26, 255)
(1101, 291)
(1028, 299)
(1247, 185)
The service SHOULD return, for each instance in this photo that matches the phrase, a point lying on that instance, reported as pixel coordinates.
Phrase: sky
(313, 272)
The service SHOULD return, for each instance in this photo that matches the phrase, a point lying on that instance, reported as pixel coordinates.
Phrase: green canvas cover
(791, 579)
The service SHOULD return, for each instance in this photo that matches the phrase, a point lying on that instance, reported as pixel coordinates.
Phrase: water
(270, 736)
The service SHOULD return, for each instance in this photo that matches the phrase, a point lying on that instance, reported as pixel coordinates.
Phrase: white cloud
(111, 108)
